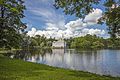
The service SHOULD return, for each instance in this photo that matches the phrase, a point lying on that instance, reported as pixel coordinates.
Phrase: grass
(7, 51)
(13, 69)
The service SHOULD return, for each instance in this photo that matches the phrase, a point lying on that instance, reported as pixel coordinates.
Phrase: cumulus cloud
(66, 33)
(93, 31)
(73, 25)
(92, 18)
(71, 29)
(32, 32)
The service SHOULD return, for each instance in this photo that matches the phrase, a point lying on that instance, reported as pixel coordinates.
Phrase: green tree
(97, 45)
(73, 45)
(85, 44)
(41, 42)
(89, 42)
(112, 17)
(82, 7)
(11, 12)
(113, 43)
(78, 7)
(33, 42)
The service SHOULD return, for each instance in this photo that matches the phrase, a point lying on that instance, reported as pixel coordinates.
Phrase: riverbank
(8, 51)
(13, 69)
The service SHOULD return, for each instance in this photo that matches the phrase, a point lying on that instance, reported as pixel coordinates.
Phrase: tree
(40, 42)
(78, 7)
(33, 42)
(97, 45)
(90, 42)
(112, 17)
(11, 12)
(82, 7)
(85, 44)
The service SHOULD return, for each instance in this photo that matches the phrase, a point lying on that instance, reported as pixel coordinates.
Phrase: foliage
(41, 42)
(97, 45)
(113, 43)
(80, 8)
(112, 17)
(10, 38)
(93, 42)
(11, 12)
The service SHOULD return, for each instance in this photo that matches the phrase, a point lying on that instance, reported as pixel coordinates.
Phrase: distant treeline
(40, 42)
(93, 42)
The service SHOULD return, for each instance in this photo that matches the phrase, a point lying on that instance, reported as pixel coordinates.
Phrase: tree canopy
(112, 17)
(93, 42)
(80, 8)
(11, 12)
(40, 42)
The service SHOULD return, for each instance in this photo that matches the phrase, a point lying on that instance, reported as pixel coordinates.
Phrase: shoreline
(14, 69)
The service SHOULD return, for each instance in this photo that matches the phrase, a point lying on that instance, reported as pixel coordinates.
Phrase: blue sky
(42, 17)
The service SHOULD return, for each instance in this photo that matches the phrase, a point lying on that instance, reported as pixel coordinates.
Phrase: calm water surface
(104, 62)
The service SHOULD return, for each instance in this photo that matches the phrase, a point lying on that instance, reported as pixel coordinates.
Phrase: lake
(103, 62)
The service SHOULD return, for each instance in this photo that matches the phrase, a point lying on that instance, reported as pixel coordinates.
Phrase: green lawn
(12, 69)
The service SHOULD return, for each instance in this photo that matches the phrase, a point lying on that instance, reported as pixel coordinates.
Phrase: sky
(43, 19)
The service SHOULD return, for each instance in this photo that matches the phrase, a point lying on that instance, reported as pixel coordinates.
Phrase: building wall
(59, 44)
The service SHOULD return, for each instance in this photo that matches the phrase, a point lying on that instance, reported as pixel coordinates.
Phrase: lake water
(104, 62)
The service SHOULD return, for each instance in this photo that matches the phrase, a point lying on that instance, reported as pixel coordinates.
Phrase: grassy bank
(12, 69)
(8, 51)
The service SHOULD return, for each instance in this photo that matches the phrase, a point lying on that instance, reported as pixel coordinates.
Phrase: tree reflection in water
(27, 54)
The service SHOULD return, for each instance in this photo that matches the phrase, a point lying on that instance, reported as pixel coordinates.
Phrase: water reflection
(105, 62)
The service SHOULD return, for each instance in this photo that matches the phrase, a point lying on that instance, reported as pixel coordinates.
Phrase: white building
(59, 44)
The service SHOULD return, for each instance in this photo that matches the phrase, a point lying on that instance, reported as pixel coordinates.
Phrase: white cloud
(56, 27)
(43, 10)
(73, 25)
(66, 33)
(92, 18)
(93, 31)
(32, 32)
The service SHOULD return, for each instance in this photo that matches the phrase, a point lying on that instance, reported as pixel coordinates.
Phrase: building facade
(59, 44)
